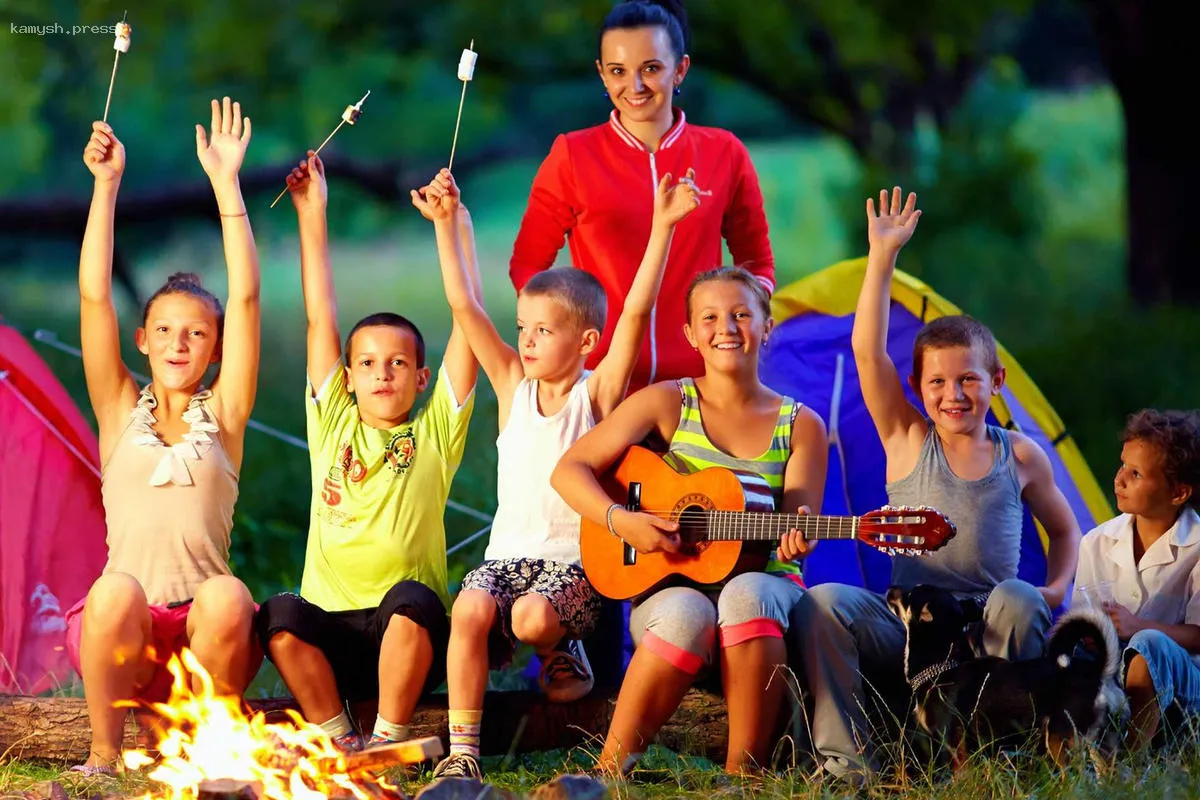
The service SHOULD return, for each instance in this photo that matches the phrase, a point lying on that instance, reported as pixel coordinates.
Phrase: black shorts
(351, 640)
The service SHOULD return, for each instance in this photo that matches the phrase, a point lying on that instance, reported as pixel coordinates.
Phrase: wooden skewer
(458, 120)
(357, 107)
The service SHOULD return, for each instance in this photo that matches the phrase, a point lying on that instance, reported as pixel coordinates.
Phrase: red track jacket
(596, 188)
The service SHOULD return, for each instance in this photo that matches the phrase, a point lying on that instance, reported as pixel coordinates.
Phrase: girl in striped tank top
(725, 418)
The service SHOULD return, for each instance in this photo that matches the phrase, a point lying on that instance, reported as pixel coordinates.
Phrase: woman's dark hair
(650, 13)
(187, 283)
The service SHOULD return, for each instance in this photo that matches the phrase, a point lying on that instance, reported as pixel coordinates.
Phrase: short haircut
(1175, 434)
(187, 283)
(731, 275)
(578, 291)
(955, 330)
(387, 319)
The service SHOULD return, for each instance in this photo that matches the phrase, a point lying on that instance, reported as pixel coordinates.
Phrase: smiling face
(551, 341)
(956, 387)
(181, 337)
(382, 373)
(640, 72)
(727, 325)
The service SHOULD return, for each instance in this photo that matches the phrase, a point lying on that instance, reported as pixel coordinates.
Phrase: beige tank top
(169, 508)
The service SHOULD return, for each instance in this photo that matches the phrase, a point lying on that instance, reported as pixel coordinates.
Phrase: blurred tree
(1146, 49)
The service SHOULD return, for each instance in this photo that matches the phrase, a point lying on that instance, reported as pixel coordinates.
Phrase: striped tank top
(691, 451)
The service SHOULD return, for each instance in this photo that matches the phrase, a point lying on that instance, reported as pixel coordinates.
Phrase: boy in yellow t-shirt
(371, 617)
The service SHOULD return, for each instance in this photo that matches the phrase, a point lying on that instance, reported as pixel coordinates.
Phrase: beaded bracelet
(608, 518)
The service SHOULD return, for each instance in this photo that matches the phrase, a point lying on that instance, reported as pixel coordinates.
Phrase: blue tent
(809, 357)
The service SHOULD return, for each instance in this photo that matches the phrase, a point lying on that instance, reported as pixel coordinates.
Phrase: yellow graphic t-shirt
(379, 496)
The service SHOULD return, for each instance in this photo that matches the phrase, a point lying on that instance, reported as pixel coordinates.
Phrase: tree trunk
(57, 729)
(1146, 48)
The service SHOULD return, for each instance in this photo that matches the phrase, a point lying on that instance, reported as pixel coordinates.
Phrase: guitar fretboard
(749, 526)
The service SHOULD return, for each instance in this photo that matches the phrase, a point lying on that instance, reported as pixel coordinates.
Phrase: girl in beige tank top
(171, 452)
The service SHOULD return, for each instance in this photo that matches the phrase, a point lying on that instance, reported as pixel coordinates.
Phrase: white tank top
(531, 520)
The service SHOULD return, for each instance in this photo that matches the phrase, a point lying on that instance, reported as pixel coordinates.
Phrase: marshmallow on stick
(123, 32)
(466, 72)
(349, 116)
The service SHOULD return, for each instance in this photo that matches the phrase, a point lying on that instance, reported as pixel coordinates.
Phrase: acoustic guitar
(727, 525)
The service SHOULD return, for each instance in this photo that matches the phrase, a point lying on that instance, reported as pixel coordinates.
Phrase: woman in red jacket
(596, 188)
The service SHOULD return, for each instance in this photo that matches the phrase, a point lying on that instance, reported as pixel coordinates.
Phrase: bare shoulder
(808, 428)
(1033, 465)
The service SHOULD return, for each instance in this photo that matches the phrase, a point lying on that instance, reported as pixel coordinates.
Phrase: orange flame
(209, 737)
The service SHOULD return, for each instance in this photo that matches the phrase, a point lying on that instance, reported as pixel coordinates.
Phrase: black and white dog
(966, 702)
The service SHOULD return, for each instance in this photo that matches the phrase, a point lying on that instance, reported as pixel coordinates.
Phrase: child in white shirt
(1144, 565)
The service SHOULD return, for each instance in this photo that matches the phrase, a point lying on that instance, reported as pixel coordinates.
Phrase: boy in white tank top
(530, 587)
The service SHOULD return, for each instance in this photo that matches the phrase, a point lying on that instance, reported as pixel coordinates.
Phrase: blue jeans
(1175, 675)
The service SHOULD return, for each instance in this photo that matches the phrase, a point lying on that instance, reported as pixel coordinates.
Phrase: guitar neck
(751, 526)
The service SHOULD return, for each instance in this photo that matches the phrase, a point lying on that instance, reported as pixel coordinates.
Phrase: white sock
(390, 730)
(338, 726)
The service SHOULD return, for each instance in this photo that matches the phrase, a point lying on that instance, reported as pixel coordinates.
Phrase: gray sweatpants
(839, 633)
(680, 624)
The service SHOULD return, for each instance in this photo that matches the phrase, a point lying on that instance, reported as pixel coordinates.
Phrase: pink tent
(52, 535)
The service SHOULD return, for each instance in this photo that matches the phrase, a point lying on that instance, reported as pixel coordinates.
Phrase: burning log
(227, 789)
(57, 729)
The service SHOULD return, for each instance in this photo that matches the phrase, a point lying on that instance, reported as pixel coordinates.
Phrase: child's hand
(673, 203)
(892, 228)
(793, 545)
(646, 532)
(1126, 623)
(104, 154)
(306, 183)
(222, 154)
(439, 199)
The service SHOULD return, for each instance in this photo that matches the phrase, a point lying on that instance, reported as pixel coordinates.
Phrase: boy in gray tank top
(947, 457)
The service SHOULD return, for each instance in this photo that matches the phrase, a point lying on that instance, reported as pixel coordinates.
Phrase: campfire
(208, 749)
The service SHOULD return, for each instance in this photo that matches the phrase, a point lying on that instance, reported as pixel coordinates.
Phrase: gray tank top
(987, 513)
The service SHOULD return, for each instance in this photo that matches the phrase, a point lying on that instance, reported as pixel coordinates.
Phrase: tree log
(57, 728)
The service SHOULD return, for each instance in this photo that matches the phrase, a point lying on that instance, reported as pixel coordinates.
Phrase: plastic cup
(1098, 593)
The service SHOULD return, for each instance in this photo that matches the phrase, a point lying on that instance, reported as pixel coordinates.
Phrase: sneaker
(348, 742)
(566, 674)
(458, 765)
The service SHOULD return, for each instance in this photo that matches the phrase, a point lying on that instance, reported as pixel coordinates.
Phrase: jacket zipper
(653, 308)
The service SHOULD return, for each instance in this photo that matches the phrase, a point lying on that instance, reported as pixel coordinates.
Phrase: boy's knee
(820, 605)
(1017, 598)
(1137, 673)
(222, 603)
(533, 618)
(285, 645)
(474, 611)
(405, 630)
(113, 598)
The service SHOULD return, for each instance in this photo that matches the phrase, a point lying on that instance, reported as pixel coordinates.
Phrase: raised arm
(895, 418)
(744, 224)
(575, 478)
(440, 202)
(549, 216)
(310, 197)
(610, 380)
(110, 386)
(1050, 508)
(221, 154)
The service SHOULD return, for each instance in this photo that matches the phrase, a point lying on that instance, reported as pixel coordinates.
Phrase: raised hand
(306, 183)
(439, 199)
(674, 202)
(893, 226)
(222, 151)
(104, 154)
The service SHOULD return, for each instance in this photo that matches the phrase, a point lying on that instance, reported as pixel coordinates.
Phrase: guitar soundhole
(691, 513)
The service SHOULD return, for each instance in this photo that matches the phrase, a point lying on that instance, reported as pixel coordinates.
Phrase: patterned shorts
(564, 585)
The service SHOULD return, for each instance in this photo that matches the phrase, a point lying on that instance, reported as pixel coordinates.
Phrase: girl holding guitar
(725, 418)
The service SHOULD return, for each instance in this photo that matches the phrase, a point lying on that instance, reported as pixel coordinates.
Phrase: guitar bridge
(633, 502)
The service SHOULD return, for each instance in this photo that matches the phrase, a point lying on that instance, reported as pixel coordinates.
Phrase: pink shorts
(168, 635)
